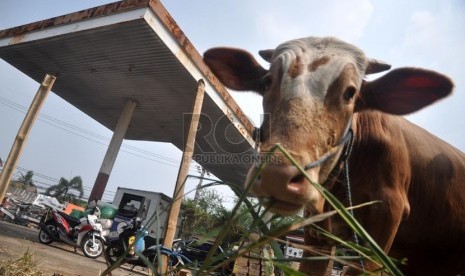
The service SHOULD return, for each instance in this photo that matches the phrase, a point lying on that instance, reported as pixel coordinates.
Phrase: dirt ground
(56, 259)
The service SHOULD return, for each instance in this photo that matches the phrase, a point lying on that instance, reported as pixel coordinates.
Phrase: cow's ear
(403, 91)
(236, 69)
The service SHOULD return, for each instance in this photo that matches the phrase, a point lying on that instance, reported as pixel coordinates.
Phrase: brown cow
(314, 92)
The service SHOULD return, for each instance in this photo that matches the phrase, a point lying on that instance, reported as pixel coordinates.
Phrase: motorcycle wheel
(44, 237)
(92, 248)
(113, 252)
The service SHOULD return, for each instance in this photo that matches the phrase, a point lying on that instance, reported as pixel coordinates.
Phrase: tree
(207, 216)
(201, 216)
(26, 179)
(62, 190)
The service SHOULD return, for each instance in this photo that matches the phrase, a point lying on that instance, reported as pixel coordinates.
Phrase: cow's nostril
(298, 178)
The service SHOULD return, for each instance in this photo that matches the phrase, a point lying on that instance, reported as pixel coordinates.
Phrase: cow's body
(314, 92)
(421, 181)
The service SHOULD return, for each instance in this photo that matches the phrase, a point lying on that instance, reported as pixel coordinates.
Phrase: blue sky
(65, 142)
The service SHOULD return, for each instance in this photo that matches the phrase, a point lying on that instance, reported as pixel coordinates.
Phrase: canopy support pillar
(112, 151)
(183, 171)
(23, 133)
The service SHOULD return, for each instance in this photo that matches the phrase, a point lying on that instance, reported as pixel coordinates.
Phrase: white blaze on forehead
(322, 61)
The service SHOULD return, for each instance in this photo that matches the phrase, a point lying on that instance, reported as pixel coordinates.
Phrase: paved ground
(55, 259)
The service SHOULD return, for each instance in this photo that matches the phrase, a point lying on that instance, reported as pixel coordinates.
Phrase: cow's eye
(349, 93)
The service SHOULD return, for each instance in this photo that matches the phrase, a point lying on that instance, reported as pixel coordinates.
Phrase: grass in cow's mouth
(376, 254)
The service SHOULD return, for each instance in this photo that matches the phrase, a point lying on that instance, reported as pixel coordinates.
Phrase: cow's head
(310, 92)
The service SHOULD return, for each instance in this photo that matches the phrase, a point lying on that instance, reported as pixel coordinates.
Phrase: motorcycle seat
(71, 220)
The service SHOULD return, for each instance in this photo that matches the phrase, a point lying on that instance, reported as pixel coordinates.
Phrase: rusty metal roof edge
(102, 10)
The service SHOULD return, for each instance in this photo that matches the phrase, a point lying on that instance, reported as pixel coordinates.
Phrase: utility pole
(197, 191)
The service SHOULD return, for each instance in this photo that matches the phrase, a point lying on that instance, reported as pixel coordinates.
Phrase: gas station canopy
(134, 51)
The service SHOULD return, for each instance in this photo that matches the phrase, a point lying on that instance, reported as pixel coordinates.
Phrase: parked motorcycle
(125, 245)
(87, 235)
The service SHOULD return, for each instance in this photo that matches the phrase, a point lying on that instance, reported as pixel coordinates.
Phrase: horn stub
(266, 54)
(376, 66)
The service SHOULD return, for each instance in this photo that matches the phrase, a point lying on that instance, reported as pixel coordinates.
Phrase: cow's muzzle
(282, 188)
